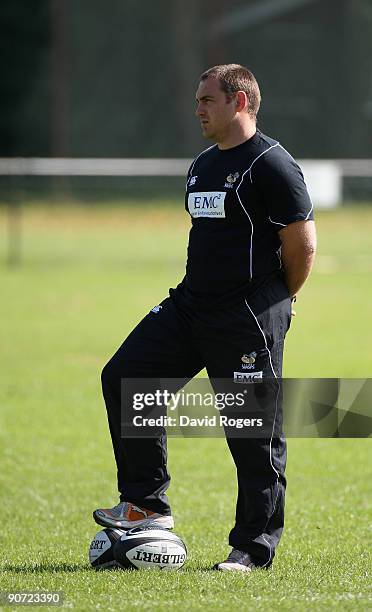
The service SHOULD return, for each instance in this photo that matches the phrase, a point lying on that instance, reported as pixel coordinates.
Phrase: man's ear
(241, 101)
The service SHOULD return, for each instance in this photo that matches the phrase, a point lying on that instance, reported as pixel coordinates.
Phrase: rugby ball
(101, 548)
(150, 547)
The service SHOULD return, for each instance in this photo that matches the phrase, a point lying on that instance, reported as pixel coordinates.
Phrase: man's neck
(240, 134)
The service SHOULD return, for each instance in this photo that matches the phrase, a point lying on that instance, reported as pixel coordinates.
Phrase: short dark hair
(233, 78)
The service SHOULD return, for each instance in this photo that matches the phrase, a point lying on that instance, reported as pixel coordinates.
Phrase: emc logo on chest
(207, 204)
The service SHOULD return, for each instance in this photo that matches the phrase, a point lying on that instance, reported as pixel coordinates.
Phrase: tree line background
(118, 78)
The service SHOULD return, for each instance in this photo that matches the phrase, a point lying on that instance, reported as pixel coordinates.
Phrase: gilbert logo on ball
(101, 555)
(150, 548)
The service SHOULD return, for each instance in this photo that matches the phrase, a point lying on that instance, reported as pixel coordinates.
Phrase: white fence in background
(324, 178)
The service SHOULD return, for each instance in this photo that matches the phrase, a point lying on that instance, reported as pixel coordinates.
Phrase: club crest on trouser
(248, 360)
(251, 358)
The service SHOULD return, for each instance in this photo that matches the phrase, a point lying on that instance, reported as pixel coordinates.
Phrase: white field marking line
(38, 498)
(329, 264)
(326, 264)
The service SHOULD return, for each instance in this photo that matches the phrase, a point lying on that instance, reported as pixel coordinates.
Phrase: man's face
(215, 109)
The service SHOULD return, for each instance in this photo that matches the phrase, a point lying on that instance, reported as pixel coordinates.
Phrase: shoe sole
(164, 522)
(231, 567)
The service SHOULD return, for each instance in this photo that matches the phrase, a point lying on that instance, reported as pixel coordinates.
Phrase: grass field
(87, 276)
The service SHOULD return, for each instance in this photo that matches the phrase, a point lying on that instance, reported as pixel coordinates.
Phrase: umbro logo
(157, 308)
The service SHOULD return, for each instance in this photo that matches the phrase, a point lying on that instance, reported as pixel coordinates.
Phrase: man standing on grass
(251, 248)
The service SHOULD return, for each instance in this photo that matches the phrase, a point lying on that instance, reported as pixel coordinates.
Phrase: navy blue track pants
(177, 342)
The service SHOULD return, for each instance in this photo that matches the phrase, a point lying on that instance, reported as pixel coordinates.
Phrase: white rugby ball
(150, 548)
(101, 554)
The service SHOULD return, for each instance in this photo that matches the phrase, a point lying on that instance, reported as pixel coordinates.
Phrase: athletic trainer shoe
(237, 561)
(127, 516)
